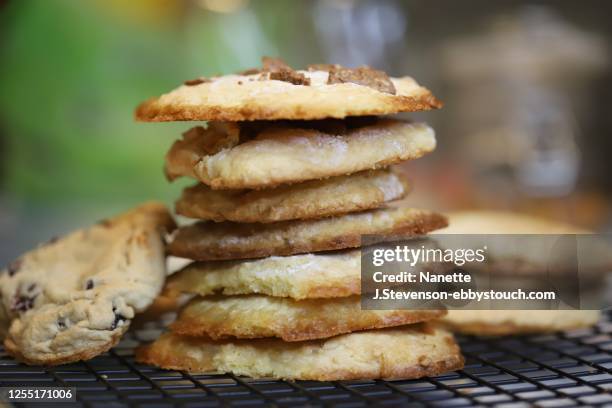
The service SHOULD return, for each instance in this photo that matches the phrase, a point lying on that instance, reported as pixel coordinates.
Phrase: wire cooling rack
(559, 370)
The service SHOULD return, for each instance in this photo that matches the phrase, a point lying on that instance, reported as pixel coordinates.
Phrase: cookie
(528, 257)
(226, 156)
(279, 92)
(163, 309)
(257, 316)
(515, 269)
(72, 298)
(513, 322)
(503, 222)
(306, 276)
(409, 352)
(311, 199)
(206, 241)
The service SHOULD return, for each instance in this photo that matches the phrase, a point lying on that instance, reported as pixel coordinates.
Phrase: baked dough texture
(258, 316)
(305, 276)
(253, 97)
(513, 322)
(311, 199)
(408, 352)
(72, 298)
(279, 153)
(205, 241)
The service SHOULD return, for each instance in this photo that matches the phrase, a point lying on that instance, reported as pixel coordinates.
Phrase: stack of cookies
(292, 169)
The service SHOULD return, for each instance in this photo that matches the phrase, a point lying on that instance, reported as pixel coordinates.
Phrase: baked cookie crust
(258, 316)
(409, 352)
(311, 199)
(514, 322)
(206, 241)
(305, 276)
(316, 94)
(232, 156)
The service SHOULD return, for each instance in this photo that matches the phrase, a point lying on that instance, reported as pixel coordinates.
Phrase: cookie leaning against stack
(75, 296)
(290, 164)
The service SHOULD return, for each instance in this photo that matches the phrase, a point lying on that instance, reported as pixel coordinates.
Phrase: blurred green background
(72, 72)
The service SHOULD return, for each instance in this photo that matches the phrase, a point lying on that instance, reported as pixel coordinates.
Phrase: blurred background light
(526, 85)
(223, 6)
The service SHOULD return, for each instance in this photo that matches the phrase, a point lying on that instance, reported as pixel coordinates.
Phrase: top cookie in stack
(277, 92)
(292, 163)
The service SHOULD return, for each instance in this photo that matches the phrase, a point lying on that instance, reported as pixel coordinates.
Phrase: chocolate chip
(365, 76)
(118, 319)
(14, 266)
(250, 71)
(290, 76)
(106, 223)
(52, 240)
(61, 323)
(196, 81)
(280, 71)
(24, 297)
(22, 303)
(89, 284)
(271, 64)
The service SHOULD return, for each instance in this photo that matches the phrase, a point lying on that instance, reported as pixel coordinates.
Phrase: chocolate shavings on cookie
(278, 69)
(196, 81)
(365, 76)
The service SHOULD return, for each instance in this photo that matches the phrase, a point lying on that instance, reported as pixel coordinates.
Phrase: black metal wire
(563, 369)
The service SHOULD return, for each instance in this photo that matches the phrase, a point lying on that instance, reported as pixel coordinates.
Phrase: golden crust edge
(82, 355)
(151, 111)
(302, 331)
(146, 354)
(184, 207)
(427, 223)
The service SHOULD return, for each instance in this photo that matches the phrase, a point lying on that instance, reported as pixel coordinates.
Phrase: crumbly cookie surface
(409, 352)
(513, 322)
(258, 316)
(256, 156)
(305, 276)
(311, 199)
(74, 297)
(279, 92)
(207, 241)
